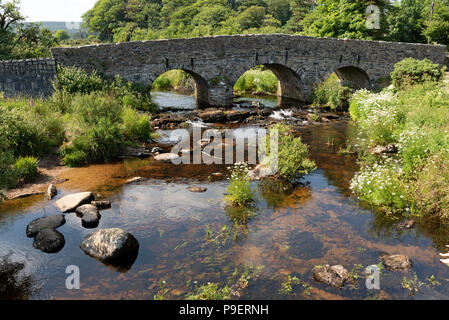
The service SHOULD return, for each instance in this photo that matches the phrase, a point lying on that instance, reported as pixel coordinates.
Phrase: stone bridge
(216, 63)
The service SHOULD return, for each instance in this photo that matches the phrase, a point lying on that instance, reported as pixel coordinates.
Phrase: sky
(55, 10)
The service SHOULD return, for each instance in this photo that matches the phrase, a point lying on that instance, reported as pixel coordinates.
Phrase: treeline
(406, 20)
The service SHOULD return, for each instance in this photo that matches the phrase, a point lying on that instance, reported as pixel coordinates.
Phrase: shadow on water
(188, 239)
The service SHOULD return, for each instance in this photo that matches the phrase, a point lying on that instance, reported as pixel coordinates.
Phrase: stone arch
(201, 86)
(353, 77)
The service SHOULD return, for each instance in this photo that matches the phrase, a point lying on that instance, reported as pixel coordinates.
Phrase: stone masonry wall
(217, 62)
(31, 77)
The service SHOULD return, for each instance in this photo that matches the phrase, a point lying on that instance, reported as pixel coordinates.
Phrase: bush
(331, 94)
(30, 130)
(27, 168)
(74, 158)
(409, 72)
(77, 81)
(239, 191)
(136, 127)
(8, 176)
(293, 155)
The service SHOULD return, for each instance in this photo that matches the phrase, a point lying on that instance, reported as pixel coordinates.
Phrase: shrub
(331, 94)
(77, 81)
(292, 155)
(409, 72)
(27, 168)
(90, 109)
(74, 158)
(239, 191)
(30, 131)
(8, 176)
(136, 127)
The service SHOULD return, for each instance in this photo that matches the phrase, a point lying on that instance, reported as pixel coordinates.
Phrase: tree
(344, 19)
(437, 26)
(406, 23)
(61, 35)
(10, 14)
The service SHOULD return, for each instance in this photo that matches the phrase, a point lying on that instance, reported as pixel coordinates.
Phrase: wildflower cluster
(239, 191)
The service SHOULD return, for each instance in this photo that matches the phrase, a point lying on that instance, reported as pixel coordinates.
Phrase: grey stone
(102, 205)
(50, 222)
(166, 157)
(110, 245)
(49, 241)
(51, 192)
(72, 201)
(90, 215)
(334, 276)
(157, 150)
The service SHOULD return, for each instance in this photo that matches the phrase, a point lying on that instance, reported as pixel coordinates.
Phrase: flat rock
(157, 150)
(110, 245)
(197, 189)
(72, 201)
(102, 205)
(90, 215)
(334, 276)
(51, 192)
(49, 241)
(395, 262)
(134, 180)
(166, 157)
(50, 222)
(213, 116)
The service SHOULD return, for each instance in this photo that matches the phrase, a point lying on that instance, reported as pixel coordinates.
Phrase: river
(289, 232)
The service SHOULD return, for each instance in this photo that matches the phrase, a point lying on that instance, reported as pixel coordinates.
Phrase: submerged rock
(49, 241)
(166, 157)
(334, 276)
(50, 222)
(407, 224)
(90, 215)
(395, 262)
(51, 192)
(102, 205)
(113, 246)
(197, 189)
(72, 201)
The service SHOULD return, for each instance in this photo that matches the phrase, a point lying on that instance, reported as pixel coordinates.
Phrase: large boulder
(72, 201)
(50, 222)
(49, 241)
(395, 262)
(90, 215)
(111, 245)
(334, 276)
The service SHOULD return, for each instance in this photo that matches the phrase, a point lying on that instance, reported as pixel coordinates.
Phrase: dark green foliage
(410, 72)
(331, 94)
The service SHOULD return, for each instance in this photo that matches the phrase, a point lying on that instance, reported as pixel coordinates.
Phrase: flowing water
(288, 232)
